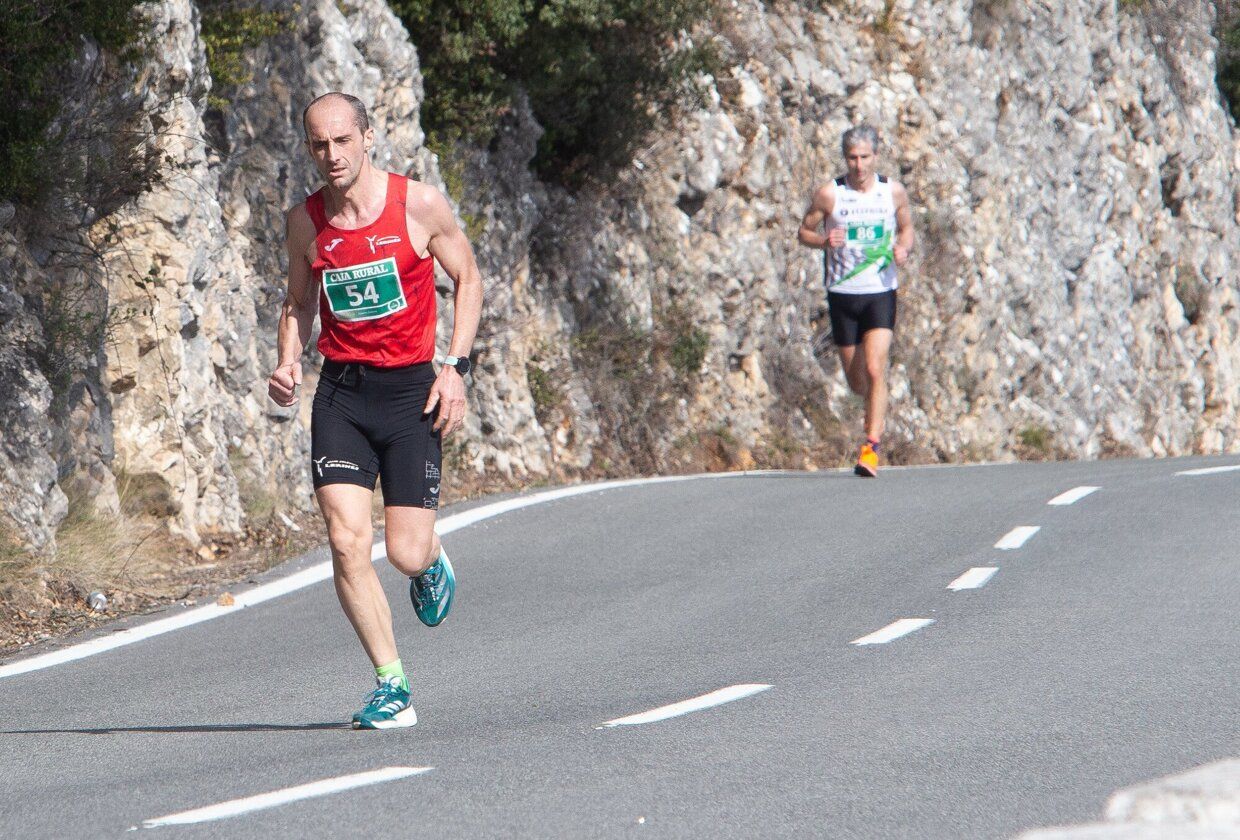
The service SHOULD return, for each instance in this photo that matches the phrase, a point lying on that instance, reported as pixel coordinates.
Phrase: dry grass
(17, 567)
(96, 550)
(133, 559)
(257, 501)
(117, 554)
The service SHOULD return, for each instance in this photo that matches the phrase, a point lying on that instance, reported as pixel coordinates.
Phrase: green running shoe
(387, 707)
(431, 591)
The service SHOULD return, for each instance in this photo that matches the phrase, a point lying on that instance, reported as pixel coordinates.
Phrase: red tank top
(376, 295)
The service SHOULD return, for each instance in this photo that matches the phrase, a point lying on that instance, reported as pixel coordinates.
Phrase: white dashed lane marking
(975, 578)
(234, 807)
(1210, 470)
(1017, 537)
(1072, 496)
(684, 707)
(893, 631)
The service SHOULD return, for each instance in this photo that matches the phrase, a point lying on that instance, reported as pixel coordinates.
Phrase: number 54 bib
(364, 292)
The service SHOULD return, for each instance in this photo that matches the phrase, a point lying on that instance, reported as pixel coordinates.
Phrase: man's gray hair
(360, 118)
(863, 133)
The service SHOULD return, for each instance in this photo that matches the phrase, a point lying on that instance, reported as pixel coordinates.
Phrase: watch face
(463, 365)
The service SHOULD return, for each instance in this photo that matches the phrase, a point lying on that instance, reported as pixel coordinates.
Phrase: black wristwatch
(461, 364)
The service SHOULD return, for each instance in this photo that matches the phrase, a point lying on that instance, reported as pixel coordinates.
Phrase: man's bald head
(339, 138)
(360, 118)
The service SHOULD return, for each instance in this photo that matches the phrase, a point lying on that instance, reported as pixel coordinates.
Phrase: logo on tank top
(332, 246)
(364, 292)
(381, 241)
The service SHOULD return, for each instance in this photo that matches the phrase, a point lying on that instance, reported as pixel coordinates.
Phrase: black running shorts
(367, 422)
(853, 315)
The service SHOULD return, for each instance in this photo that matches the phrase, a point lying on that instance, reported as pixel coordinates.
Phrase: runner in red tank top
(377, 295)
(361, 253)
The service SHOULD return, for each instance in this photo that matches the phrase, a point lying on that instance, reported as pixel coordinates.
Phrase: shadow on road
(205, 727)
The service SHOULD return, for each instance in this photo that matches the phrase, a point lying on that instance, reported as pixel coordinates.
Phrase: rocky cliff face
(1072, 172)
(184, 278)
(1070, 164)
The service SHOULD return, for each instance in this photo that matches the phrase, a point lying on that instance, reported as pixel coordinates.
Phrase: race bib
(364, 292)
(865, 234)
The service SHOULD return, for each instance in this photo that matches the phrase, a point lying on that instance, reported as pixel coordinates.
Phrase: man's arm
(298, 310)
(904, 223)
(449, 246)
(821, 206)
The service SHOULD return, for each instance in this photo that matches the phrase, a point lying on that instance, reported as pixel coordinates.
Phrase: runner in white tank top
(863, 223)
(865, 264)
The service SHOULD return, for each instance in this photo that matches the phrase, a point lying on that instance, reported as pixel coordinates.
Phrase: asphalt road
(1103, 652)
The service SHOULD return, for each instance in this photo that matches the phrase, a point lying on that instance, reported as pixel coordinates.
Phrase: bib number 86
(865, 233)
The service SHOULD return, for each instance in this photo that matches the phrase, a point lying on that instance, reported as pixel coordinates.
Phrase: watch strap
(456, 362)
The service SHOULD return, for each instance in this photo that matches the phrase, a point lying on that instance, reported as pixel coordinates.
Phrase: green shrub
(1036, 438)
(597, 72)
(689, 351)
(73, 330)
(461, 47)
(632, 401)
(229, 28)
(545, 390)
(38, 43)
(885, 23)
(452, 169)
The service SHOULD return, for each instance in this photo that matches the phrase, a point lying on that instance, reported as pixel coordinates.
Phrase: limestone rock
(1075, 276)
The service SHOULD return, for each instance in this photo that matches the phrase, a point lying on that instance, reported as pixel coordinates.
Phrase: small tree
(598, 72)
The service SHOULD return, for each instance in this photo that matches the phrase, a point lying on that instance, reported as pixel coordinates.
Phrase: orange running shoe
(867, 462)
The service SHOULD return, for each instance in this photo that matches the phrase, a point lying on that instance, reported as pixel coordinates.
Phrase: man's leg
(414, 549)
(410, 467)
(876, 347)
(845, 330)
(346, 509)
(852, 359)
(412, 544)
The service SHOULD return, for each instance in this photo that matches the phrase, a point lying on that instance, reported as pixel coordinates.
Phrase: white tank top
(866, 263)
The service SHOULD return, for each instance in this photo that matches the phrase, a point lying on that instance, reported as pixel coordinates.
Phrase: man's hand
(448, 393)
(836, 237)
(901, 254)
(283, 384)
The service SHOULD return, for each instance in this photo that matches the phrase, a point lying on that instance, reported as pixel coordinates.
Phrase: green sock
(392, 669)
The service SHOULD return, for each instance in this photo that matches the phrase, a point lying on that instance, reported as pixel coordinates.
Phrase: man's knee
(876, 371)
(350, 542)
(411, 553)
(876, 363)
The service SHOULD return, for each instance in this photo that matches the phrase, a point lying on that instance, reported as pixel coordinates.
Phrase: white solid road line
(1017, 537)
(320, 572)
(1072, 496)
(282, 797)
(166, 625)
(1210, 470)
(893, 631)
(975, 578)
(684, 707)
